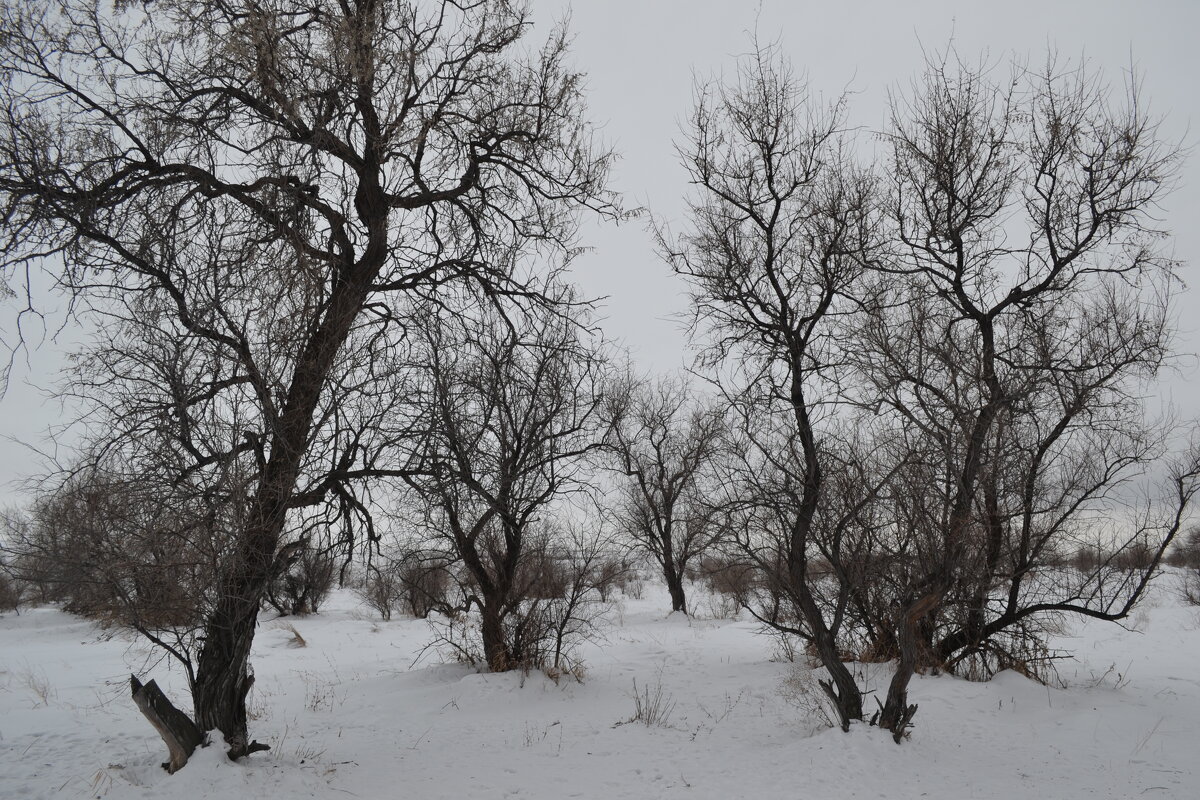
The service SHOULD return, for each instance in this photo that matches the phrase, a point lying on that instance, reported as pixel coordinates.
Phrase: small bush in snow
(651, 706)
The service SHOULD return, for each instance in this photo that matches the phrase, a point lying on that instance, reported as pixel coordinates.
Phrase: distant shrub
(1190, 586)
(382, 591)
(417, 581)
(1137, 555)
(114, 551)
(611, 574)
(733, 579)
(1186, 551)
(304, 578)
(425, 584)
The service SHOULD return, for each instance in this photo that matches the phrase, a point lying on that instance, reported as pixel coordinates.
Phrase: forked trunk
(897, 714)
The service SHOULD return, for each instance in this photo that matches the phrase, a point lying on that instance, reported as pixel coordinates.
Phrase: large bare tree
(261, 185)
(663, 440)
(1026, 306)
(510, 405)
(780, 228)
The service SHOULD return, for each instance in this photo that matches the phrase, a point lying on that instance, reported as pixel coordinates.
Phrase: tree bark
(674, 579)
(897, 715)
(843, 691)
(495, 649)
(181, 735)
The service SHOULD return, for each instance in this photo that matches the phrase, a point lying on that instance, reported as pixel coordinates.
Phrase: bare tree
(662, 440)
(253, 190)
(780, 228)
(1025, 306)
(510, 404)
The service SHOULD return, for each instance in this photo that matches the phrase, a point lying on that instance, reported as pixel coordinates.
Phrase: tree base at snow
(181, 735)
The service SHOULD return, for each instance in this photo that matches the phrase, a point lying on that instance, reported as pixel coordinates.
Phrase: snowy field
(351, 715)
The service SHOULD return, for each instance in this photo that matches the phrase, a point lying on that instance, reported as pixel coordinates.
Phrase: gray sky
(641, 58)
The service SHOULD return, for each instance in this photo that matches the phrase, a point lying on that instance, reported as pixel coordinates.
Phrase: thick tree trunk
(674, 579)
(495, 648)
(223, 676)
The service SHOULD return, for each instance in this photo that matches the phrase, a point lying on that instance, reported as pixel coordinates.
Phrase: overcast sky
(642, 57)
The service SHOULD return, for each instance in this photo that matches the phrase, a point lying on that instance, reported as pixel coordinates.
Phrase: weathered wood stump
(175, 727)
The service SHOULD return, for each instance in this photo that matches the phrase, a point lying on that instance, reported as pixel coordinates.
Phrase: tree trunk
(223, 674)
(181, 735)
(495, 649)
(846, 697)
(674, 579)
(896, 715)
(843, 691)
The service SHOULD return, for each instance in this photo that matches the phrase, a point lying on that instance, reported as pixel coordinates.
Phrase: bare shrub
(1189, 587)
(734, 579)
(1186, 552)
(723, 606)
(304, 577)
(415, 581)
(382, 590)
(652, 706)
(38, 684)
(295, 640)
(425, 584)
(1136, 555)
(634, 586)
(800, 689)
(1089, 558)
(544, 575)
(612, 574)
(116, 551)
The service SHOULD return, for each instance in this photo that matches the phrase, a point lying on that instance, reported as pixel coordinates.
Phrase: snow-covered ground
(350, 715)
